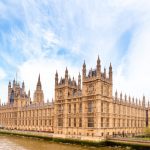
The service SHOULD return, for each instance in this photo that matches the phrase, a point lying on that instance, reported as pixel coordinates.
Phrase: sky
(44, 36)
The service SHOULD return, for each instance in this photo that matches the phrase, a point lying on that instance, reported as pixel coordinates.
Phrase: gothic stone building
(83, 108)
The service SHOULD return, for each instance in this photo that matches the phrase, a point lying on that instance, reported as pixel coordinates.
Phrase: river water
(23, 143)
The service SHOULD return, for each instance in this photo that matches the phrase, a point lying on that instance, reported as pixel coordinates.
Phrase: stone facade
(85, 108)
(22, 114)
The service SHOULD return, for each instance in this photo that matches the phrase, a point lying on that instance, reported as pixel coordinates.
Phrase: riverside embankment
(112, 143)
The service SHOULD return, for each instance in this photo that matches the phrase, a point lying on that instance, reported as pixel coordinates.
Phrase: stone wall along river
(23, 143)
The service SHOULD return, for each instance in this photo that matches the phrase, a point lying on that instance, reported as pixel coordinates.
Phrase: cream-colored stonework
(85, 108)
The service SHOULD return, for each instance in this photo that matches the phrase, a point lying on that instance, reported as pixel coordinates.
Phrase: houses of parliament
(85, 107)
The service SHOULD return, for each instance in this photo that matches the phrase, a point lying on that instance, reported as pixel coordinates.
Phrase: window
(128, 123)
(107, 122)
(107, 107)
(80, 108)
(90, 106)
(69, 108)
(74, 108)
(102, 107)
(102, 122)
(60, 121)
(80, 122)
(69, 122)
(74, 122)
(90, 122)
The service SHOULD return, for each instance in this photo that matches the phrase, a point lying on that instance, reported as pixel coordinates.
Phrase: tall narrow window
(107, 122)
(69, 108)
(80, 107)
(69, 122)
(90, 122)
(102, 122)
(60, 121)
(90, 106)
(74, 122)
(74, 108)
(102, 107)
(107, 107)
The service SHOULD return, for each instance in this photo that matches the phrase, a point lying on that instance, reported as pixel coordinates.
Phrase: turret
(23, 86)
(105, 73)
(73, 81)
(14, 83)
(9, 91)
(98, 67)
(66, 74)
(116, 95)
(143, 102)
(133, 100)
(84, 71)
(110, 72)
(29, 94)
(129, 99)
(56, 78)
(9, 85)
(39, 86)
(38, 94)
(121, 96)
(79, 82)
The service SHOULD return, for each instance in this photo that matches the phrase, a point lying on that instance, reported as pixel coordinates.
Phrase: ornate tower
(84, 71)
(98, 67)
(38, 94)
(56, 79)
(64, 90)
(79, 82)
(110, 73)
(9, 92)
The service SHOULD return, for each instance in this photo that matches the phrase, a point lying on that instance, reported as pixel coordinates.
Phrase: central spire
(38, 94)
(39, 81)
(39, 86)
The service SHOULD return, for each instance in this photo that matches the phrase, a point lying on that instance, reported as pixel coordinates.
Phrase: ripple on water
(22, 143)
(5, 144)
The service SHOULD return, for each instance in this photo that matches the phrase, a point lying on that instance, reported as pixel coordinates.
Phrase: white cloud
(30, 70)
(84, 29)
(2, 74)
(134, 76)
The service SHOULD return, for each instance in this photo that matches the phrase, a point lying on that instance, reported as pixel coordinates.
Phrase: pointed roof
(79, 76)
(39, 81)
(98, 60)
(84, 65)
(23, 85)
(56, 73)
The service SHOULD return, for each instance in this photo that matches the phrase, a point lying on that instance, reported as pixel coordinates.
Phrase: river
(23, 143)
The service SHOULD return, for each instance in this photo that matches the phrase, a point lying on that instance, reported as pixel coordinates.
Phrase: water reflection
(22, 143)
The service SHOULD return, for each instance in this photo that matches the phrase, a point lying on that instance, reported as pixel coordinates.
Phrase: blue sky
(45, 36)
